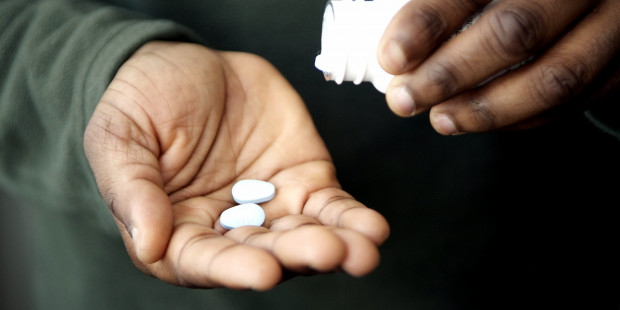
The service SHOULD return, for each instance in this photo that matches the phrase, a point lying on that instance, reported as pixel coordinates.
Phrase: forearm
(57, 58)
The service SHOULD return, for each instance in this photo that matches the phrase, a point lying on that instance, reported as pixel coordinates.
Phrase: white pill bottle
(351, 32)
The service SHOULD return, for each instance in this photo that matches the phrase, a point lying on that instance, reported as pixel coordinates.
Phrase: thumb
(143, 210)
(127, 173)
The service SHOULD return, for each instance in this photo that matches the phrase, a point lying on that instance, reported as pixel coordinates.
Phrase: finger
(558, 76)
(507, 33)
(418, 28)
(200, 257)
(362, 255)
(144, 210)
(292, 221)
(603, 89)
(335, 207)
(308, 247)
(304, 249)
(534, 121)
(128, 177)
(295, 184)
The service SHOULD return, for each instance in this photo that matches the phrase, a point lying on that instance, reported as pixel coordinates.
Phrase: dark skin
(176, 128)
(572, 45)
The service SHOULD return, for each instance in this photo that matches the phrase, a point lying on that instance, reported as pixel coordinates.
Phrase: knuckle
(516, 31)
(443, 77)
(556, 83)
(335, 207)
(473, 5)
(483, 117)
(432, 21)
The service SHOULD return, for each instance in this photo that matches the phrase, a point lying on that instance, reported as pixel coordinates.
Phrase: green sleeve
(56, 59)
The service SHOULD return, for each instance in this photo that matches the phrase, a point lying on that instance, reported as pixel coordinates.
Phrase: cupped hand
(568, 45)
(176, 128)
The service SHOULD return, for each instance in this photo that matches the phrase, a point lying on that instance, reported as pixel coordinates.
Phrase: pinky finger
(557, 77)
(362, 255)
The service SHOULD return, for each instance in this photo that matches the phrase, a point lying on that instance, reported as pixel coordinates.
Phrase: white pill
(253, 191)
(248, 214)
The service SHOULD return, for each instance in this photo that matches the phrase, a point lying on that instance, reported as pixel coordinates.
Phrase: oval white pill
(248, 214)
(253, 191)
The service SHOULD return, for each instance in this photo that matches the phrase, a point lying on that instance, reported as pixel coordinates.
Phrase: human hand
(571, 42)
(176, 128)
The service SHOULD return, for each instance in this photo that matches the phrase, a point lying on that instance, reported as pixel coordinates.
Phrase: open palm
(177, 127)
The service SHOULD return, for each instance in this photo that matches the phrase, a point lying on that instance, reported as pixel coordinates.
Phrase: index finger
(200, 256)
(418, 28)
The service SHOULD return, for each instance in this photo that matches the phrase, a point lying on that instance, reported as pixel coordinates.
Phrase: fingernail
(396, 55)
(401, 100)
(445, 125)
